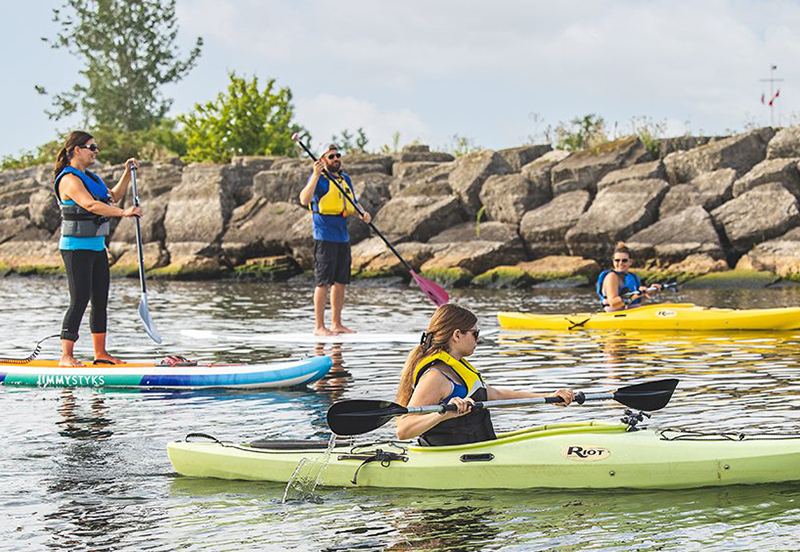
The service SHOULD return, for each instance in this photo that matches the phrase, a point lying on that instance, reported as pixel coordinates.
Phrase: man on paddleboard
(619, 288)
(330, 210)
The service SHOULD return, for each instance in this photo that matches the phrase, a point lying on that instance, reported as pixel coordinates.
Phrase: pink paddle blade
(434, 291)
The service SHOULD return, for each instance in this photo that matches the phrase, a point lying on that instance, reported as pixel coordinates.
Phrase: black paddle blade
(361, 415)
(653, 395)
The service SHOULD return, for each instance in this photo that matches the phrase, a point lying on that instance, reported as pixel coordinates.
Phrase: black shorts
(331, 263)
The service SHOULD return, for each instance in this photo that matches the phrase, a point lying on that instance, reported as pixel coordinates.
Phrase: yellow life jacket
(333, 202)
(472, 378)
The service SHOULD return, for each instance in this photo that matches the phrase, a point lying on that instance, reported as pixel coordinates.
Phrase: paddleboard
(150, 375)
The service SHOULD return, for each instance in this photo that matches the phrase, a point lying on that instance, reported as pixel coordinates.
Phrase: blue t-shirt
(98, 189)
(332, 228)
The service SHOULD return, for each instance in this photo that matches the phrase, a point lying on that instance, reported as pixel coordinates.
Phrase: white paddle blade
(149, 325)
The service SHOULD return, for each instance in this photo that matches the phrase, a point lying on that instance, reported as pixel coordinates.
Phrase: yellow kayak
(663, 316)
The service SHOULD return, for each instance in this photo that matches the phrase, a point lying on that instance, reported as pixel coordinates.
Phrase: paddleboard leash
(33, 355)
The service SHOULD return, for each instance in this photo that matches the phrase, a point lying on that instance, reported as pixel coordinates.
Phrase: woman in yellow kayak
(436, 372)
(619, 288)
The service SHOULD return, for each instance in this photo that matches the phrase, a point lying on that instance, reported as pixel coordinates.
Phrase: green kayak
(575, 455)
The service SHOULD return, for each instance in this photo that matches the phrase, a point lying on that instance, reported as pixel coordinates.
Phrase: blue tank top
(97, 188)
(459, 390)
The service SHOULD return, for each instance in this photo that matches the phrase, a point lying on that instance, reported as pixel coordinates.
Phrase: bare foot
(339, 329)
(323, 331)
(109, 358)
(68, 361)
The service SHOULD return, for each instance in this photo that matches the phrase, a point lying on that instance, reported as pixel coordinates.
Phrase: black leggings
(89, 278)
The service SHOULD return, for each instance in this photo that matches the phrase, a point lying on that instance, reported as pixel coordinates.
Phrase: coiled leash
(33, 355)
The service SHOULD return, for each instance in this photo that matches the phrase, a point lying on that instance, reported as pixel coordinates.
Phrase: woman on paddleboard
(86, 205)
(619, 288)
(436, 372)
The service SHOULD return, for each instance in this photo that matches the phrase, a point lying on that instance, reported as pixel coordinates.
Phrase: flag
(775, 97)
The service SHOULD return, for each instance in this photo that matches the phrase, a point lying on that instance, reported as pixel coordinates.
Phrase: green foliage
(129, 52)
(44, 154)
(478, 218)
(243, 121)
(649, 132)
(461, 145)
(386, 149)
(580, 133)
(345, 141)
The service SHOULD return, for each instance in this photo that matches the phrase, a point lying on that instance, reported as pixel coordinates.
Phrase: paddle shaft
(580, 398)
(138, 230)
(356, 207)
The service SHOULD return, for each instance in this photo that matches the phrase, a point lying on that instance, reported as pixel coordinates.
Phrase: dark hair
(622, 247)
(75, 138)
(447, 319)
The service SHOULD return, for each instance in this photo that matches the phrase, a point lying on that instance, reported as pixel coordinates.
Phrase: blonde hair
(446, 320)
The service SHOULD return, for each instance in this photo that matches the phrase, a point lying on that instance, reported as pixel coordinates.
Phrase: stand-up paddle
(434, 292)
(144, 314)
(354, 417)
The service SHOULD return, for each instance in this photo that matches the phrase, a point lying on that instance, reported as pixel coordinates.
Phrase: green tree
(243, 121)
(129, 52)
(582, 132)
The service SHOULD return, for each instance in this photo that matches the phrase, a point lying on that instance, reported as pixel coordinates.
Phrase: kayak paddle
(144, 314)
(354, 417)
(434, 292)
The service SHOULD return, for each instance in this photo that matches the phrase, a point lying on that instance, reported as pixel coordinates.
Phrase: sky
(497, 74)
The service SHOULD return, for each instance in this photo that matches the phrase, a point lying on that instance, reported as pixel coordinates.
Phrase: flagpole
(771, 80)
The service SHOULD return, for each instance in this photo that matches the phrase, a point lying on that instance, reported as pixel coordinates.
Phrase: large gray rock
(584, 169)
(709, 190)
(420, 153)
(471, 171)
(487, 231)
(433, 182)
(740, 152)
(418, 218)
(200, 206)
(11, 227)
(785, 143)
(543, 229)
(780, 256)
(521, 156)
(617, 213)
(372, 255)
(682, 143)
(18, 192)
(260, 228)
(640, 171)
(151, 223)
(757, 215)
(409, 170)
(31, 247)
(372, 191)
(281, 185)
(672, 239)
(782, 170)
(155, 180)
(507, 197)
(358, 164)
(539, 171)
(475, 256)
(43, 209)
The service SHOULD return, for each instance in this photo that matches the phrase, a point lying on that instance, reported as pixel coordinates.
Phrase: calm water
(87, 470)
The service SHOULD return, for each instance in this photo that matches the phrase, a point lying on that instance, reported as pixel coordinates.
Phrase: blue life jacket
(630, 282)
(77, 222)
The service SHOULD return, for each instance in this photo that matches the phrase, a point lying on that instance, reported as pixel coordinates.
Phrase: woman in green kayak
(436, 372)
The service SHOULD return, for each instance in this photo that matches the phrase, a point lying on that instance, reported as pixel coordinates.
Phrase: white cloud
(326, 115)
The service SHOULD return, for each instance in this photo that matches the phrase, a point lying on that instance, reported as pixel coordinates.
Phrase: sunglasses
(334, 156)
(476, 333)
(91, 147)
(622, 260)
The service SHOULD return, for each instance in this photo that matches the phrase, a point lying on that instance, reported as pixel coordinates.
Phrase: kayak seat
(297, 444)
